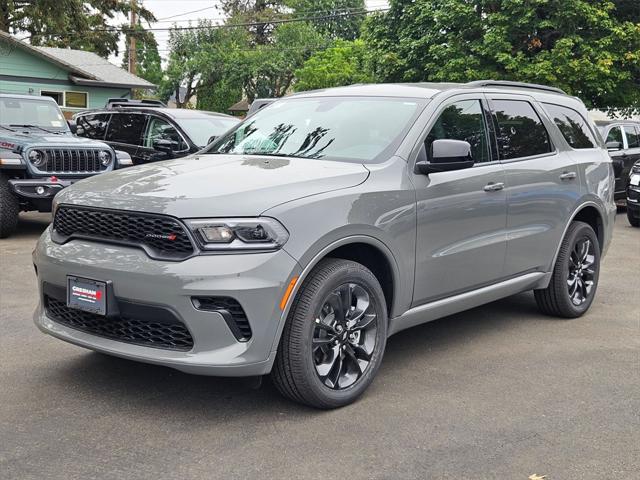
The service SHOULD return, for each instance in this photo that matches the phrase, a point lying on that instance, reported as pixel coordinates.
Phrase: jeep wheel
(334, 338)
(575, 276)
(9, 208)
(633, 220)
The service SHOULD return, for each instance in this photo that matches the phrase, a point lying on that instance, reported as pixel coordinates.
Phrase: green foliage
(344, 63)
(149, 64)
(345, 16)
(586, 47)
(79, 24)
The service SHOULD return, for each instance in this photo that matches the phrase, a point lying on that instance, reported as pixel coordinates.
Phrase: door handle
(568, 175)
(493, 187)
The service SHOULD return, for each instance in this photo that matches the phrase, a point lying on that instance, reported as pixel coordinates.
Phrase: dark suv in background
(622, 138)
(149, 131)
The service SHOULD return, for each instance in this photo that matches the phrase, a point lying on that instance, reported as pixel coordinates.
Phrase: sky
(181, 12)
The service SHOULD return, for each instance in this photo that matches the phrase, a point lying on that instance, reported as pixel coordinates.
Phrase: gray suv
(300, 240)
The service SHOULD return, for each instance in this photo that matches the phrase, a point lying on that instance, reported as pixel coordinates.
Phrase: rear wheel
(334, 339)
(575, 274)
(9, 208)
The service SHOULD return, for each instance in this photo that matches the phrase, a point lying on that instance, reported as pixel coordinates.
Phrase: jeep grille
(67, 160)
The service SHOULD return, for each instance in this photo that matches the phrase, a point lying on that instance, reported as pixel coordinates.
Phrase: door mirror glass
(165, 146)
(614, 146)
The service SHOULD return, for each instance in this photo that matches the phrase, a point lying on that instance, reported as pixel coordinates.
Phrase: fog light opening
(40, 190)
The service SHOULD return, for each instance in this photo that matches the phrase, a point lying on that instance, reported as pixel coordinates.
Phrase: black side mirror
(165, 146)
(73, 126)
(613, 146)
(447, 155)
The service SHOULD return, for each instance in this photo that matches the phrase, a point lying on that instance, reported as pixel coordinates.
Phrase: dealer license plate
(88, 295)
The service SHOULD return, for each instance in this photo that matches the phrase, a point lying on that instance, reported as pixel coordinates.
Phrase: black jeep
(40, 155)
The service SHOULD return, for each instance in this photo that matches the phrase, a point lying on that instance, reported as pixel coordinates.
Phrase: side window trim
(539, 112)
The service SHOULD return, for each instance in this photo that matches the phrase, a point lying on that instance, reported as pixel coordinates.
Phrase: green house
(76, 79)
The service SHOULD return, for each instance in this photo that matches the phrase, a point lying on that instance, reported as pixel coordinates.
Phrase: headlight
(105, 157)
(238, 233)
(37, 158)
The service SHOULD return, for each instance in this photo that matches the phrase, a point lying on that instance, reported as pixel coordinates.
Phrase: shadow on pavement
(159, 389)
(31, 224)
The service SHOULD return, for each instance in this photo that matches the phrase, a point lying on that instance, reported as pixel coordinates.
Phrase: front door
(461, 214)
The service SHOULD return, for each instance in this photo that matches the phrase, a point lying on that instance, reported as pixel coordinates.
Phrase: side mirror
(613, 146)
(73, 126)
(447, 155)
(165, 146)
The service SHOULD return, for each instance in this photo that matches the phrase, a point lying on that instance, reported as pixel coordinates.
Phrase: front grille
(231, 311)
(160, 236)
(168, 334)
(67, 160)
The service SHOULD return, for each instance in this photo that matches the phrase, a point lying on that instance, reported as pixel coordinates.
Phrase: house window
(57, 96)
(75, 99)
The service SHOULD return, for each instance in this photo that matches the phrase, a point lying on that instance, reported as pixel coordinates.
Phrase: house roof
(85, 68)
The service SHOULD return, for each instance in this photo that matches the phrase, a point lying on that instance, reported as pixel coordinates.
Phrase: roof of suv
(605, 123)
(175, 113)
(27, 97)
(429, 90)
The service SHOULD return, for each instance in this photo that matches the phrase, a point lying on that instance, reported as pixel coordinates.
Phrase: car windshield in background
(37, 113)
(346, 128)
(201, 129)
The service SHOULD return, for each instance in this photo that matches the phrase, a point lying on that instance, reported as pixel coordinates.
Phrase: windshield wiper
(33, 126)
(7, 128)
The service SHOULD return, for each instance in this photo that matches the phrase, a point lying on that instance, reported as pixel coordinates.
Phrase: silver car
(299, 241)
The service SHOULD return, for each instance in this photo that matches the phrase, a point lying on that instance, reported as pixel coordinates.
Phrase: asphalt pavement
(497, 392)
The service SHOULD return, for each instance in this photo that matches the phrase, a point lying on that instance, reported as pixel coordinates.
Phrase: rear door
(125, 133)
(630, 155)
(542, 182)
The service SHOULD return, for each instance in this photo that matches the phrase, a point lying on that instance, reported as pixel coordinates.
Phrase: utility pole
(133, 53)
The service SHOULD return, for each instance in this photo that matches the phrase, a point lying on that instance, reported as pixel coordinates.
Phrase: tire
(633, 220)
(572, 287)
(310, 367)
(9, 208)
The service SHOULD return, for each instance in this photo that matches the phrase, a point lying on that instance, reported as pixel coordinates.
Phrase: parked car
(633, 195)
(149, 132)
(300, 240)
(39, 156)
(622, 139)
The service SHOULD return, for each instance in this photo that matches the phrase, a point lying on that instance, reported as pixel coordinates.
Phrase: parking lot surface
(497, 392)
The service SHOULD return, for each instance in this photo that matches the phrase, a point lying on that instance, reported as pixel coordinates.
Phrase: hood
(20, 140)
(213, 185)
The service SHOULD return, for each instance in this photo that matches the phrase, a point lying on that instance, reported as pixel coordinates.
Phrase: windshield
(23, 111)
(201, 129)
(347, 128)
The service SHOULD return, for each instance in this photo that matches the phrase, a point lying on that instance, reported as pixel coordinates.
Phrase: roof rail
(128, 102)
(507, 83)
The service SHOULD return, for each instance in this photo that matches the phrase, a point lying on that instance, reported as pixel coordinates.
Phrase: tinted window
(201, 129)
(126, 128)
(632, 136)
(462, 121)
(93, 126)
(615, 135)
(346, 128)
(520, 130)
(572, 125)
(160, 129)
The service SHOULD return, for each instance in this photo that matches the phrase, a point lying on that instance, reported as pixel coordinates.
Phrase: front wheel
(9, 208)
(575, 275)
(334, 338)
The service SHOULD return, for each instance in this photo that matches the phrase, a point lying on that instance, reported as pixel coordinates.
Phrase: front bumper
(256, 281)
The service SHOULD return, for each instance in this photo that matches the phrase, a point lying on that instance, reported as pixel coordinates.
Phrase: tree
(260, 12)
(80, 24)
(589, 48)
(344, 16)
(149, 64)
(344, 63)
(200, 59)
(268, 70)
